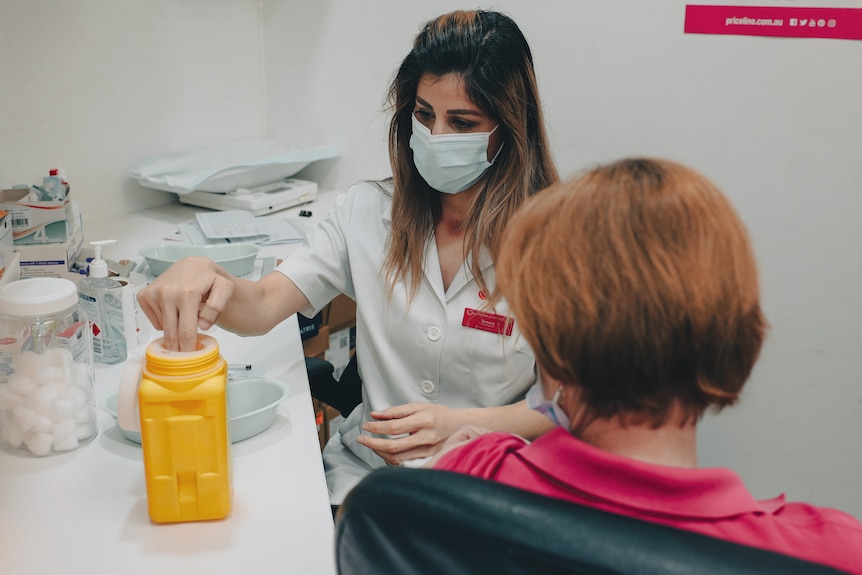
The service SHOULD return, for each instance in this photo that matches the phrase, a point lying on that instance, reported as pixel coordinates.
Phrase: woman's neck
(670, 444)
(450, 233)
(455, 208)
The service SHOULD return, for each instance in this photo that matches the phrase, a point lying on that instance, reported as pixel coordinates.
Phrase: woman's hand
(465, 435)
(427, 426)
(189, 295)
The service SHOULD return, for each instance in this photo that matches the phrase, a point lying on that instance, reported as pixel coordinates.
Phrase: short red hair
(637, 283)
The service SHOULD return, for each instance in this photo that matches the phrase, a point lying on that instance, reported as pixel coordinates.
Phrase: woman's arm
(429, 425)
(196, 293)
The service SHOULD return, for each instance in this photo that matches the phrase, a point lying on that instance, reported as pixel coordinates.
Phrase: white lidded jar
(47, 403)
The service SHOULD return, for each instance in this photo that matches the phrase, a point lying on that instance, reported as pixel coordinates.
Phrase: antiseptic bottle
(102, 299)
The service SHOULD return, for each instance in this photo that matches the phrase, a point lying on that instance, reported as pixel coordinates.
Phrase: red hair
(637, 283)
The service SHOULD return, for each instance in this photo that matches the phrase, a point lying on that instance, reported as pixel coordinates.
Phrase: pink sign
(791, 22)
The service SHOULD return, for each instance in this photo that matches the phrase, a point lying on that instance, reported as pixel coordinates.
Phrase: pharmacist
(436, 347)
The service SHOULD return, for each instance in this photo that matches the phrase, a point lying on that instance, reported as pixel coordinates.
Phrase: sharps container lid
(37, 296)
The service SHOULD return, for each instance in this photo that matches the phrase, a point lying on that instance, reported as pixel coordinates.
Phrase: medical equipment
(287, 193)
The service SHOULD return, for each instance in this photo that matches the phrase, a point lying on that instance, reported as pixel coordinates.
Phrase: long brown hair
(636, 283)
(490, 54)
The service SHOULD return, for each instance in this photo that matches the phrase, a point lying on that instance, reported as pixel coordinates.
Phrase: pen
(241, 366)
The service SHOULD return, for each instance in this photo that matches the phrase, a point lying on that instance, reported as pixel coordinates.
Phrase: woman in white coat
(435, 343)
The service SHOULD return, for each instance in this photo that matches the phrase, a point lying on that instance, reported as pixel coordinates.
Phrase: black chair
(426, 521)
(344, 393)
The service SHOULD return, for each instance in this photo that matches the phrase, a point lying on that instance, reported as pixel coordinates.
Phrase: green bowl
(252, 404)
(236, 259)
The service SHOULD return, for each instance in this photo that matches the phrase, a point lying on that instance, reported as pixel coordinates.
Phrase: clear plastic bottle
(102, 299)
(47, 403)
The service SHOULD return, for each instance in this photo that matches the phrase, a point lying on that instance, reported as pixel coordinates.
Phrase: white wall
(97, 85)
(774, 122)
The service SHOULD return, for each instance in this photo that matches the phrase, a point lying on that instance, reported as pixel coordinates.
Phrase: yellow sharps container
(185, 432)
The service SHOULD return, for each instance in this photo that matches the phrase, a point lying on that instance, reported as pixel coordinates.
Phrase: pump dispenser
(102, 298)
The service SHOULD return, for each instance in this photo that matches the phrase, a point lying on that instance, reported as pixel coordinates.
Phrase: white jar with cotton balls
(47, 403)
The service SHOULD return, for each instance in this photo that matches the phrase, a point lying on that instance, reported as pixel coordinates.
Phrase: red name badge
(486, 321)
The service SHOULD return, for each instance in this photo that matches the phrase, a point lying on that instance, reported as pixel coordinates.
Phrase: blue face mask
(450, 163)
(549, 407)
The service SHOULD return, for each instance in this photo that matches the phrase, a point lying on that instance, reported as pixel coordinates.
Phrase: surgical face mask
(549, 407)
(450, 163)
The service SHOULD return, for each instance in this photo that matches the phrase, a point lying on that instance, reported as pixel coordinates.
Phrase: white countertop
(86, 511)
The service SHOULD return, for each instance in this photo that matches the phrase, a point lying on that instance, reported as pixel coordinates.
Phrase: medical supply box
(53, 260)
(36, 222)
(7, 249)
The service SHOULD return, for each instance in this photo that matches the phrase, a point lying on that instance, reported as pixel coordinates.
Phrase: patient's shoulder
(483, 456)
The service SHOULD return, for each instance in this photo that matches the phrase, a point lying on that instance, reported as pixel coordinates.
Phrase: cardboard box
(309, 328)
(340, 313)
(340, 349)
(320, 420)
(12, 271)
(316, 346)
(327, 418)
(37, 223)
(52, 260)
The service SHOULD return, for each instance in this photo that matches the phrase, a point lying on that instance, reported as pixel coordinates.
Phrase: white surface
(86, 511)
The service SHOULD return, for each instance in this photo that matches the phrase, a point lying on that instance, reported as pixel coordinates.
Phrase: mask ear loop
(500, 149)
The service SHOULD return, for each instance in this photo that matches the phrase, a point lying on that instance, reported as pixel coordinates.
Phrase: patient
(636, 287)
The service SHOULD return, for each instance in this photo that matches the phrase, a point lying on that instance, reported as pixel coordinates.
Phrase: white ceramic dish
(252, 403)
(237, 259)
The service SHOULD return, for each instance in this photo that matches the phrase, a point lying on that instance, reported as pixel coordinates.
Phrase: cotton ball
(81, 396)
(27, 363)
(24, 417)
(42, 398)
(50, 374)
(64, 408)
(21, 384)
(82, 376)
(39, 443)
(65, 436)
(8, 399)
(12, 433)
(43, 425)
(60, 357)
(86, 430)
(84, 413)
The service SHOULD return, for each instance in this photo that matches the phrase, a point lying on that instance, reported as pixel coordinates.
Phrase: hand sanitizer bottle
(102, 299)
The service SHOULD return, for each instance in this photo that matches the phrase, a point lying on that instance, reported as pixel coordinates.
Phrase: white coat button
(427, 386)
(434, 333)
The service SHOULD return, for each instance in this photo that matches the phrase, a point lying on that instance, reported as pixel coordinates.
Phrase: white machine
(283, 194)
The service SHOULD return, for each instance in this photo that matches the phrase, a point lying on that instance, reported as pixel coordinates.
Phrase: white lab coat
(420, 353)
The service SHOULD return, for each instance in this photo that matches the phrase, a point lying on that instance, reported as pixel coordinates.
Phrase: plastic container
(102, 298)
(47, 403)
(182, 415)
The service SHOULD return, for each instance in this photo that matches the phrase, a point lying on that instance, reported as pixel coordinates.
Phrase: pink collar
(702, 493)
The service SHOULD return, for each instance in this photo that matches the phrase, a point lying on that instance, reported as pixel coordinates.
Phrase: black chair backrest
(436, 522)
(344, 394)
